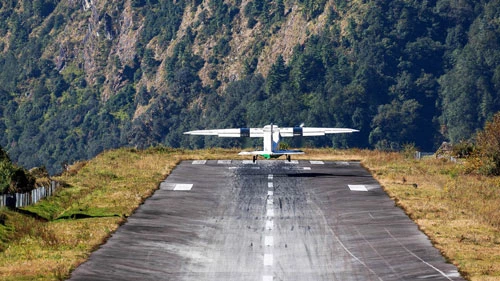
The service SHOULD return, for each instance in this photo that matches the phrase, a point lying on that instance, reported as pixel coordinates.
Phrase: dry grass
(458, 212)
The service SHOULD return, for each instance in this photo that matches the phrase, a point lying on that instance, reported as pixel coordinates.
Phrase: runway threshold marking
(313, 162)
(267, 278)
(357, 187)
(199, 162)
(183, 187)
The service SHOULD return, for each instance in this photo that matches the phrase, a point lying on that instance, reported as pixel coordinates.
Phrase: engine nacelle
(298, 132)
(245, 132)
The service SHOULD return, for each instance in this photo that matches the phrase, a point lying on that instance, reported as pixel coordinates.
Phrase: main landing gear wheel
(289, 158)
(254, 158)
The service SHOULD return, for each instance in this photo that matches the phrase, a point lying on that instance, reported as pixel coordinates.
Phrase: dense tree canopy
(143, 72)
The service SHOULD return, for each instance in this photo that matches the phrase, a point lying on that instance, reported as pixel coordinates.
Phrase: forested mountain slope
(81, 76)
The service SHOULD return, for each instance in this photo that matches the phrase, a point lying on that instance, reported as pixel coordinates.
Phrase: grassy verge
(459, 212)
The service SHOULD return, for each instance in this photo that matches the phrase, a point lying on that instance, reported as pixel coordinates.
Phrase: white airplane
(272, 135)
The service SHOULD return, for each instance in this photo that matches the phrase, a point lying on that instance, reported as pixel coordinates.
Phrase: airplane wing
(230, 133)
(277, 152)
(312, 131)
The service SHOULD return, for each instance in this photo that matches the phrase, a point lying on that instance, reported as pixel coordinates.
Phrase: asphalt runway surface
(273, 220)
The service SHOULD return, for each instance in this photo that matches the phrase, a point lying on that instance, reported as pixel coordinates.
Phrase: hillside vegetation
(79, 77)
(457, 210)
(14, 178)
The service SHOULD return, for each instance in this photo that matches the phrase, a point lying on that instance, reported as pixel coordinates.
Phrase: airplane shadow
(330, 175)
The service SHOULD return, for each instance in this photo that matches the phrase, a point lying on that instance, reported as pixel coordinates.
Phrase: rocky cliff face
(101, 39)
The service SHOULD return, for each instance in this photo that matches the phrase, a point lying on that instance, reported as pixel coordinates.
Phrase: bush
(13, 178)
(3, 155)
(488, 147)
(409, 151)
(463, 149)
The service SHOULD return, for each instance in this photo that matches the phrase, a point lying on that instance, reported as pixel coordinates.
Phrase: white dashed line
(199, 162)
(222, 162)
(268, 259)
(316, 162)
(307, 168)
(270, 200)
(269, 241)
(269, 225)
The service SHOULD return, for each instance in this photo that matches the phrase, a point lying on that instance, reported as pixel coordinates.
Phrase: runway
(273, 220)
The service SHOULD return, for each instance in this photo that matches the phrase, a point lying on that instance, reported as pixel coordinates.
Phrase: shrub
(409, 151)
(12, 177)
(463, 149)
(488, 147)
(3, 155)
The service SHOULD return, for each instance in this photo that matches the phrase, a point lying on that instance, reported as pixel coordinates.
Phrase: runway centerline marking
(270, 185)
(268, 259)
(269, 241)
(270, 177)
(270, 213)
(269, 225)
(270, 200)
